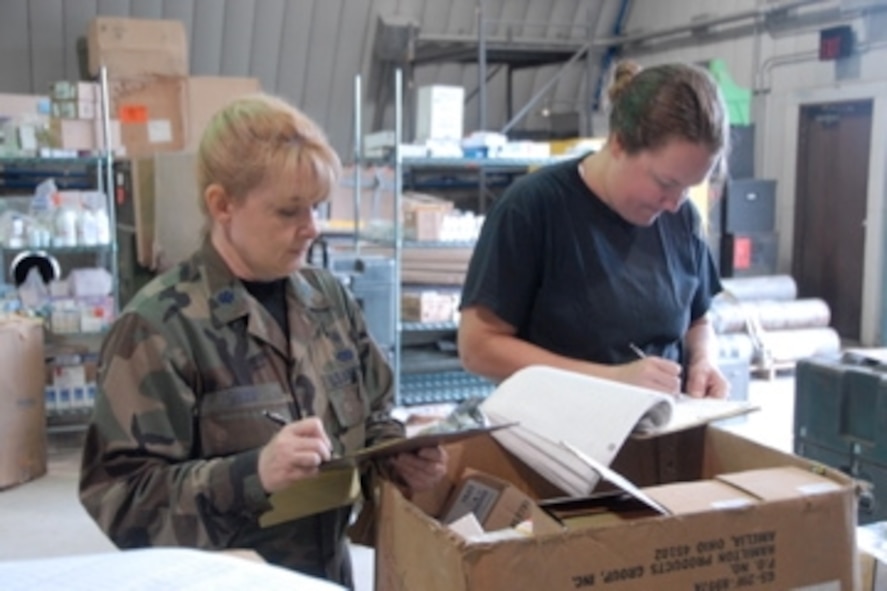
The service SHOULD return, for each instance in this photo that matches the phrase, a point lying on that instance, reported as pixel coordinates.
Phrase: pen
(280, 420)
(637, 351)
(275, 418)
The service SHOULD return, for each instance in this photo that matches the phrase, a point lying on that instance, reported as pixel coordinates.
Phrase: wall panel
(15, 47)
(264, 55)
(206, 41)
(295, 50)
(47, 44)
(237, 37)
(76, 15)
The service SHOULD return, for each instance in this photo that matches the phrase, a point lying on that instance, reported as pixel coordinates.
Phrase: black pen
(637, 351)
(280, 420)
(275, 418)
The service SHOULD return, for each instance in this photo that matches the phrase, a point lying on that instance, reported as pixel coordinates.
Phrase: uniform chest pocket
(232, 420)
(349, 406)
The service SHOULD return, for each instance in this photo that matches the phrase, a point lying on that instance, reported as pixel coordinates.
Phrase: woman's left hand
(705, 380)
(422, 469)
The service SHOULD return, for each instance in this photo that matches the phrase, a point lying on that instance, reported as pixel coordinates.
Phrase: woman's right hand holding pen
(295, 452)
(655, 373)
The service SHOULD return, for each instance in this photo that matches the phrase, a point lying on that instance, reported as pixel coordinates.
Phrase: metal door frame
(873, 323)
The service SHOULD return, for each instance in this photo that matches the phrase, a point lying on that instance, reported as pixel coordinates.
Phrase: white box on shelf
(65, 90)
(379, 140)
(73, 109)
(440, 112)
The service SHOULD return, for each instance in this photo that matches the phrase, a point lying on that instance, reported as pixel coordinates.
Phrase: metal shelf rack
(430, 370)
(21, 175)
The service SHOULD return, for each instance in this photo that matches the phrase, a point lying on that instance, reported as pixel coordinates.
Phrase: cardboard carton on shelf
(133, 47)
(440, 112)
(742, 514)
(429, 306)
(423, 216)
(151, 111)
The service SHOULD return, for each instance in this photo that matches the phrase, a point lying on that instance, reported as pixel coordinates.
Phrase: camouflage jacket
(171, 454)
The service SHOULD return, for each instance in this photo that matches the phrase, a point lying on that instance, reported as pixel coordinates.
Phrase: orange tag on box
(742, 252)
(133, 114)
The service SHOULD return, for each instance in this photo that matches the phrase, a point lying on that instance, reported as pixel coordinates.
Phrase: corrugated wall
(305, 50)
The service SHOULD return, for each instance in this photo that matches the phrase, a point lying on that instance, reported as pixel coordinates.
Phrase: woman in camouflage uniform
(179, 451)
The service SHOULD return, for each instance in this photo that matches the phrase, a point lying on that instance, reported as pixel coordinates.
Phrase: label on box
(474, 497)
(159, 131)
(50, 393)
(65, 398)
(69, 376)
(79, 400)
(133, 114)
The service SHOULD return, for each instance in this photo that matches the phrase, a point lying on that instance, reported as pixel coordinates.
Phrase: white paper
(151, 569)
(593, 415)
(159, 131)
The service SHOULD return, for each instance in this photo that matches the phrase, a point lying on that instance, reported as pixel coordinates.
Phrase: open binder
(592, 415)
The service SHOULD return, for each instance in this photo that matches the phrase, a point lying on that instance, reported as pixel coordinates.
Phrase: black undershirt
(272, 295)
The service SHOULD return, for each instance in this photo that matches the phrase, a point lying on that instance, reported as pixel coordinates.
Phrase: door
(830, 208)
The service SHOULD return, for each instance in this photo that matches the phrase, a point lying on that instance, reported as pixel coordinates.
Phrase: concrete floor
(43, 518)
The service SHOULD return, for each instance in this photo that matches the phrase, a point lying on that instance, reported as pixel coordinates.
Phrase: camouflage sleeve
(140, 478)
(378, 377)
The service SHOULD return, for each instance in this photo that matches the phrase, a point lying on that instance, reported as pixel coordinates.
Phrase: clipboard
(392, 447)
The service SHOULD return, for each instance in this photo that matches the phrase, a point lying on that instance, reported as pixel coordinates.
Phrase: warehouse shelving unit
(492, 53)
(19, 177)
(426, 365)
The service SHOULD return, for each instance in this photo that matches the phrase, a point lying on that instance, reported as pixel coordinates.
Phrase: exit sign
(836, 43)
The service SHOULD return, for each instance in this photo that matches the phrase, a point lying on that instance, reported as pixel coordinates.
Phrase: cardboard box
(429, 306)
(151, 112)
(84, 135)
(872, 540)
(142, 185)
(16, 106)
(440, 112)
(22, 414)
(423, 216)
(74, 109)
(176, 206)
(777, 541)
(496, 504)
(206, 95)
(65, 90)
(134, 48)
(73, 134)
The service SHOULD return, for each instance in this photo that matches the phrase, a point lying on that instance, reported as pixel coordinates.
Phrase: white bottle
(65, 226)
(89, 229)
(103, 226)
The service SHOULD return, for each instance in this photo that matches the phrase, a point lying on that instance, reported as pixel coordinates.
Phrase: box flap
(705, 495)
(773, 484)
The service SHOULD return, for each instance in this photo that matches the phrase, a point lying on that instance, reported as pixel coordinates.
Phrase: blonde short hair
(258, 139)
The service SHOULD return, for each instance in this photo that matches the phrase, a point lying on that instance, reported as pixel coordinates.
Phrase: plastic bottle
(89, 229)
(64, 230)
(103, 226)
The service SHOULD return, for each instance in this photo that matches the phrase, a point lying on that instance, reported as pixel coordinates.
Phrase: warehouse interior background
(310, 51)
(539, 68)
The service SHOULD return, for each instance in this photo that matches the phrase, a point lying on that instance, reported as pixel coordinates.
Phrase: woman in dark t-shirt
(596, 264)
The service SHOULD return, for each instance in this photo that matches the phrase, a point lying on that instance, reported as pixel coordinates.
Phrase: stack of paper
(183, 569)
(592, 415)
